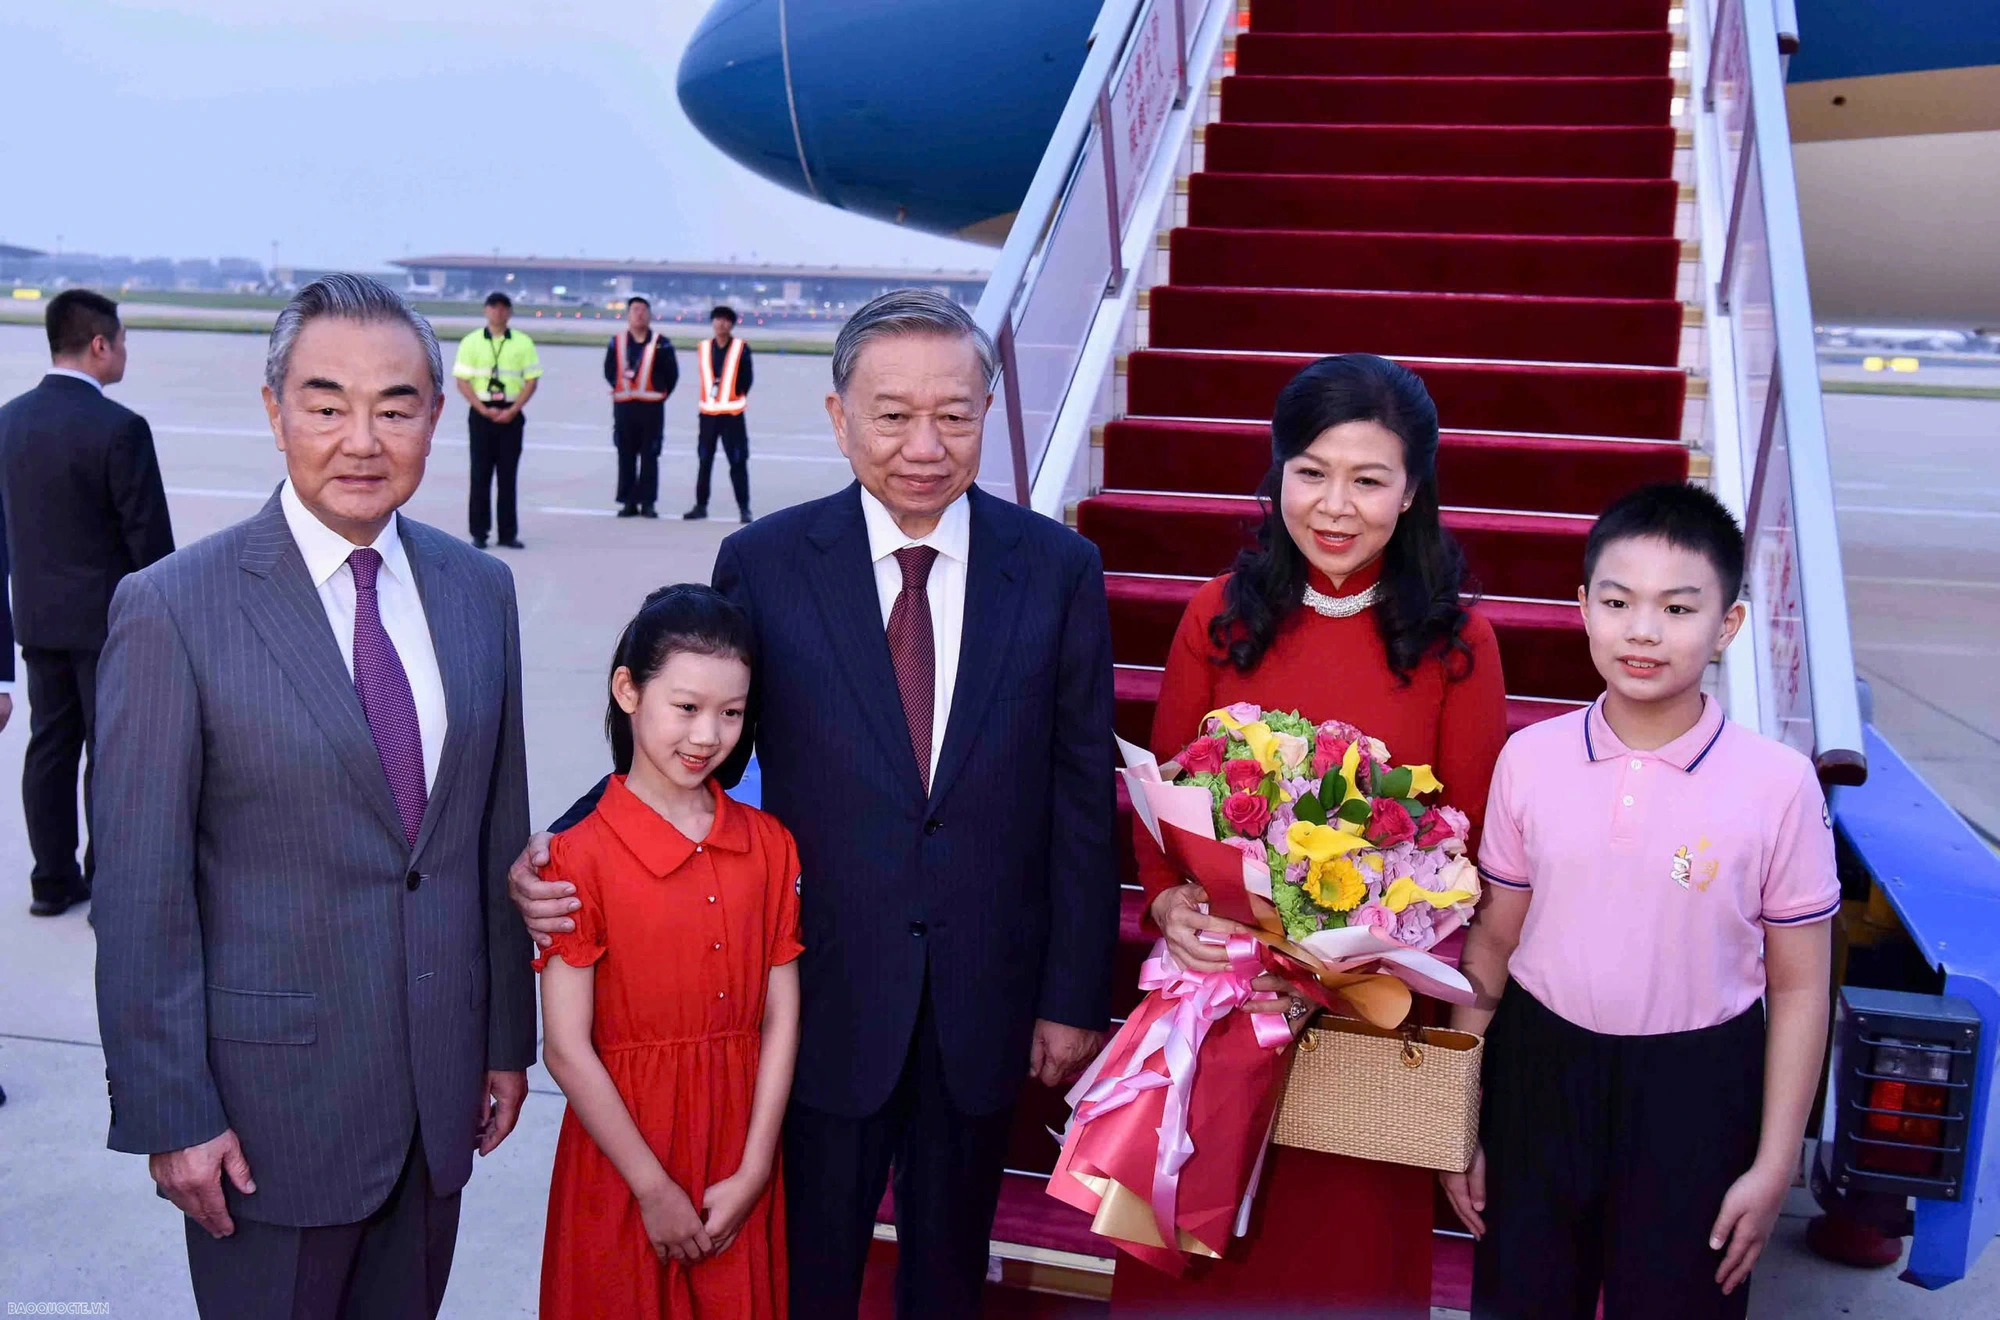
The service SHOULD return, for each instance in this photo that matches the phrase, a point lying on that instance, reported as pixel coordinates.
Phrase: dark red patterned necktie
(913, 650)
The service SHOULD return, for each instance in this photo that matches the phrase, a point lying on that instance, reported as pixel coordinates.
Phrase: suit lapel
(448, 613)
(992, 604)
(843, 582)
(284, 608)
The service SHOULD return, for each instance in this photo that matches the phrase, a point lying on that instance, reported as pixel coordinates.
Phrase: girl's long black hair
(1423, 569)
(685, 617)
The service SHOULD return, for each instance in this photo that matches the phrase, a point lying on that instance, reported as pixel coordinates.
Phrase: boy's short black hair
(640, 298)
(77, 316)
(722, 313)
(499, 299)
(1686, 517)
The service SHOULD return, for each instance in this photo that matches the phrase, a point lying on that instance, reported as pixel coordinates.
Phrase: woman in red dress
(670, 1014)
(1349, 608)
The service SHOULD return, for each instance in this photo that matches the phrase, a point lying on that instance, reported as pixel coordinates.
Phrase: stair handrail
(1140, 49)
(1806, 681)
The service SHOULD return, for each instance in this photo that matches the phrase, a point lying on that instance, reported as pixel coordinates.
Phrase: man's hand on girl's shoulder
(544, 905)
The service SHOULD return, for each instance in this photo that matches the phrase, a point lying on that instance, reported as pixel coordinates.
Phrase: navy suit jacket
(6, 613)
(999, 886)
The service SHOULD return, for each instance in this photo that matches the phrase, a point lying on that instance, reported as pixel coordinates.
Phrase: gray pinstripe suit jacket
(272, 957)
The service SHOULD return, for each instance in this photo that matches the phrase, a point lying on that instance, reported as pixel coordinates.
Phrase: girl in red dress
(670, 1014)
(1349, 608)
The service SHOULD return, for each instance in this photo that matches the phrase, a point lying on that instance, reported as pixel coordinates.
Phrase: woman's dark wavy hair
(1423, 569)
(685, 617)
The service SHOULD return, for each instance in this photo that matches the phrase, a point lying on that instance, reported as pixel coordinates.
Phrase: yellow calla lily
(1422, 780)
(1319, 843)
(1407, 891)
(1350, 767)
(1228, 721)
(1263, 745)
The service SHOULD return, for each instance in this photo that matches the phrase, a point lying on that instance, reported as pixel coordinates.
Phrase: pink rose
(1242, 775)
(1244, 712)
(1389, 824)
(1328, 749)
(1203, 756)
(1247, 814)
(1435, 828)
(1376, 918)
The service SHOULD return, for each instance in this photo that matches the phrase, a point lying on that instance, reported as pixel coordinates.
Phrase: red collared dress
(683, 935)
(1329, 1235)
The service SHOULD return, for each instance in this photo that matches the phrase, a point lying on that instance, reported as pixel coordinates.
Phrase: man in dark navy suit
(933, 707)
(85, 507)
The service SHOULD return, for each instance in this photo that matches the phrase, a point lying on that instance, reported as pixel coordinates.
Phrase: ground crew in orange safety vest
(640, 368)
(724, 362)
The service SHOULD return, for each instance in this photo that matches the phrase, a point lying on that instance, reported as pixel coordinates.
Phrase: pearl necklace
(1341, 607)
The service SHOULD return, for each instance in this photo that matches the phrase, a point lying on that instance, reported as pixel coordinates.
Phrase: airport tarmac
(1920, 522)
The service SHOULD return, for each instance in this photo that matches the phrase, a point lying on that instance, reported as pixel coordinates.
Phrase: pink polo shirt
(1654, 873)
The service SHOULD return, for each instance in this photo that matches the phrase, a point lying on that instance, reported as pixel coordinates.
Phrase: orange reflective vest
(635, 386)
(718, 393)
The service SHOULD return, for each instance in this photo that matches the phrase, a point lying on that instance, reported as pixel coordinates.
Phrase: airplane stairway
(1484, 190)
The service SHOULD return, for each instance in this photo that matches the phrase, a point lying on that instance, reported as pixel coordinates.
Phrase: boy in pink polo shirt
(1659, 880)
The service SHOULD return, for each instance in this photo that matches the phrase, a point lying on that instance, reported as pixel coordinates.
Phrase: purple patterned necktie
(384, 690)
(912, 650)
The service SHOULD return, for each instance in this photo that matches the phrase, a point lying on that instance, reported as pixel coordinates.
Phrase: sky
(354, 132)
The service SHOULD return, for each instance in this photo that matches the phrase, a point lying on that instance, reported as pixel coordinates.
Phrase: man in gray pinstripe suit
(314, 995)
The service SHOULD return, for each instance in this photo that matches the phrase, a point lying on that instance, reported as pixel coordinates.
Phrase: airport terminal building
(679, 286)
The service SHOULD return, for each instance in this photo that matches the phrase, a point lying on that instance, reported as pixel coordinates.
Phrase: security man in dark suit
(639, 366)
(932, 714)
(85, 507)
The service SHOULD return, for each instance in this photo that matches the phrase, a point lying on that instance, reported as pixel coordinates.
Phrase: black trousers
(947, 1166)
(392, 1265)
(62, 726)
(637, 429)
(496, 452)
(1607, 1158)
(734, 434)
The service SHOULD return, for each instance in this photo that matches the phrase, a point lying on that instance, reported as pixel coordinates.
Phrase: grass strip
(1909, 389)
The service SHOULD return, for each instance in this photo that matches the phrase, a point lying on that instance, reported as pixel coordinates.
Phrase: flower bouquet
(1309, 836)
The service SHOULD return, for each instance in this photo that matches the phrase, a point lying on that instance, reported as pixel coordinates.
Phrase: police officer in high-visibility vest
(725, 389)
(497, 372)
(640, 366)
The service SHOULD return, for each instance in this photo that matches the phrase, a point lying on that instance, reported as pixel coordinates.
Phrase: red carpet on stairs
(1454, 54)
(1476, 469)
(1636, 403)
(1467, 205)
(1499, 151)
(1642, 332)
(1572, 266)
(1481, 189)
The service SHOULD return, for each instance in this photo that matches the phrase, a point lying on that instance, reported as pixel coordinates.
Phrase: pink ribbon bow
(1198, 1000)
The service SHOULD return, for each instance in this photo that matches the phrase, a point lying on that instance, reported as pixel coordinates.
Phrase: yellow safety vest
(718, 394)
(635, 386)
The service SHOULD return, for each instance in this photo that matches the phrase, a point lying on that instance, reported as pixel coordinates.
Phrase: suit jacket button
(412, 880)
(919, 928)
(933, 825)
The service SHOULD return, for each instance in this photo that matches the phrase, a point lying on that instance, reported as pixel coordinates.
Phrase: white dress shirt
(952, 539)
(325, 552)
(74, 374)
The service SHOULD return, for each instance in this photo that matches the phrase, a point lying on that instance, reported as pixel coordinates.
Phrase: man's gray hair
(351, 298)
(909, 312)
